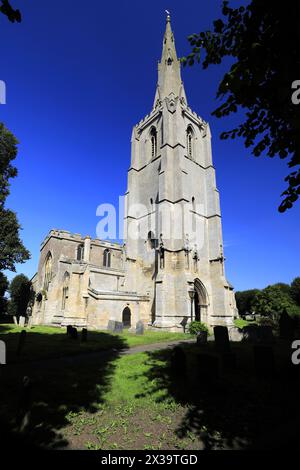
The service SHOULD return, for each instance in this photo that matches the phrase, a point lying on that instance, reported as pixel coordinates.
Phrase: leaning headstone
(139, 329)
(119, 327)
(22, 321)
(229, 361)
(84, 335)
(286, 326)
(221, 339)
(21, 342)
(29, 324)
(15, 320)
(178, 362)
(264, 362)
(208, 367)
(74, 333)
(111, 325)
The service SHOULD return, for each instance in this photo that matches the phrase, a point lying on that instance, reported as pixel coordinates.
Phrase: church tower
(173, 234)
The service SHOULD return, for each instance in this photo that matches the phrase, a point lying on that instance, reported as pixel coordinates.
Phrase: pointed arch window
(48, 271)
(153, 136)
(106, 258)
(65, 291)
(189, 141)
(151, 241)
(80, 252)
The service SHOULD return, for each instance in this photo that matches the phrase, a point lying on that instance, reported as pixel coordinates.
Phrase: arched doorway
(200, 301)
(126, 317)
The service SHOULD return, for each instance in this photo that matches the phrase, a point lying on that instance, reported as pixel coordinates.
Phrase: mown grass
(45, 342)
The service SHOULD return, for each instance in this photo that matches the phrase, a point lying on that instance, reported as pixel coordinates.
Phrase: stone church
(170, 268)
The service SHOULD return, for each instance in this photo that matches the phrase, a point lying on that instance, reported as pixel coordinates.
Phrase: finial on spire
(168, 16)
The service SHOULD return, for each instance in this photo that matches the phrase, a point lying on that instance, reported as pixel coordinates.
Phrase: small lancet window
(80, 252)
(65, 291)
(153, 135)
(151, 241)
(169, 61)
(48, 271)
(189, 137)
(106, 258)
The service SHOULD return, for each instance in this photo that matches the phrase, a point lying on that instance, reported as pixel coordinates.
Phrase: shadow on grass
(35, 415)
(234, 410)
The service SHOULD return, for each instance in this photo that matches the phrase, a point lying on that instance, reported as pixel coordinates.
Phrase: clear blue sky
(78, 80)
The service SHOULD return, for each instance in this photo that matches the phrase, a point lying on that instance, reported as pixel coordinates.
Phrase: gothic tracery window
(106, 258)
(153, 135)
(80, 252)
(189, 144)
(48, 271)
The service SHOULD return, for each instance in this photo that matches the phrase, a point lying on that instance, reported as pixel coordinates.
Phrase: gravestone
(69, 329)
(264, 362)
(21, 342)
(139, 329)
(119, 327)
(221, 339)
(111, 325)
(251, 334)
(235, 334)
(286, 326)
(229, 361)
(202, 337)
(22, 321)
(178, 362)
(115, 326)
(29, 324)
(74, 333)
(15, 320)
(84, 335)
(208, 367)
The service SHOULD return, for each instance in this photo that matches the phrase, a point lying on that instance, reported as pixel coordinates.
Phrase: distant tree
(7, 10)
(295, 290)
(12, 250)
(244, 300)
(286, 288)
(272, 301)
(3, 288)
(263, 42)
(20, 293)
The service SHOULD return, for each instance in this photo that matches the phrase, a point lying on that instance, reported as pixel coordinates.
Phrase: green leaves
(7, 10)
(258, 37)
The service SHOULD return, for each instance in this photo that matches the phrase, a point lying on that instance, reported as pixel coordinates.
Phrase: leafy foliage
(263, 41)
(295, 290)
(20, 294)
(197, 326)
(272, 301)
(7, 10)
(3, 288)
(12, 250)
(244, 300)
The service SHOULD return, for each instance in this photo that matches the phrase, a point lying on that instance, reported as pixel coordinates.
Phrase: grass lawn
(241, 323)
(137, 402)
(43, 342)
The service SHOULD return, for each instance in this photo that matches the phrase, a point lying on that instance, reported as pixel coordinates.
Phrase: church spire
(169, 77)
